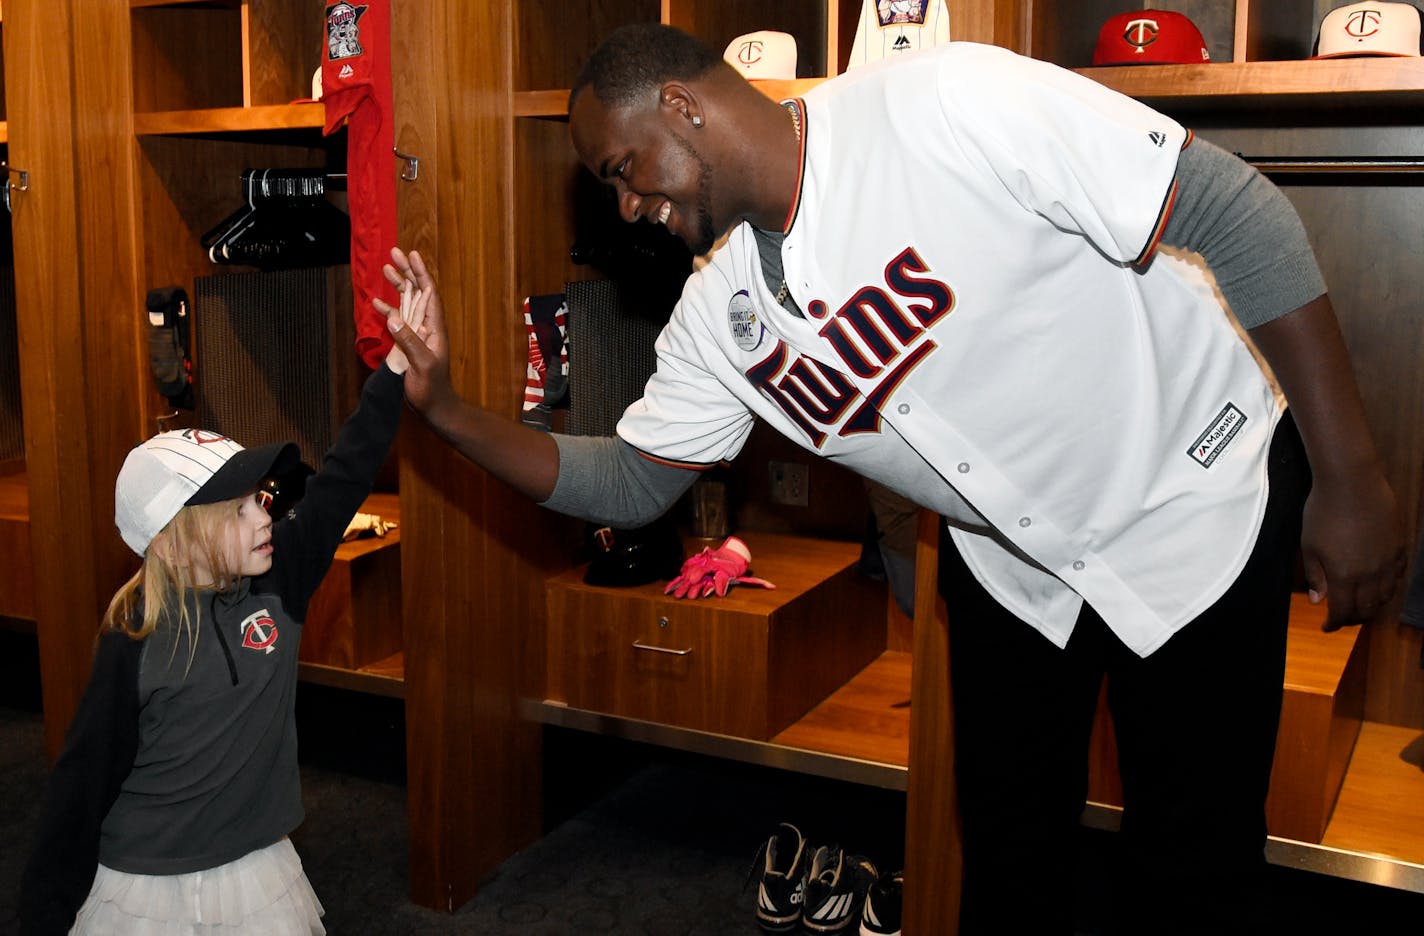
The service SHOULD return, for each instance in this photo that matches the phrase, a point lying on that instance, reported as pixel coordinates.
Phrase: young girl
(169, 809)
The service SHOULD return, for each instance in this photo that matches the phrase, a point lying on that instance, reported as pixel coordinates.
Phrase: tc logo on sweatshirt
(259, 631)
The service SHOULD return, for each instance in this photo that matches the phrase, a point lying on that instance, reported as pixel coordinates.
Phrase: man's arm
(524, 458)
(598, 479)
(1253, 240)
(1353, 542)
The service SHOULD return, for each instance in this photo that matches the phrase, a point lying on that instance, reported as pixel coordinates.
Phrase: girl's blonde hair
(192, 544)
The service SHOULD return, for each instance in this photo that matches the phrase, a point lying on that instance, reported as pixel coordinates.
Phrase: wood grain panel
(472, 583)
(547, 181)
(185, 58)
(552, 38)
(38, 43)
(17, 597)
(933, 855)
(283, 44)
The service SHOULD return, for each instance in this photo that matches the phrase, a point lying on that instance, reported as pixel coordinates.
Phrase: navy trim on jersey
(1162, 216)
(674, 463)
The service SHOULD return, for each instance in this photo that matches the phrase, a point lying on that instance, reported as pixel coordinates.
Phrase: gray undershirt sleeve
(1246, 230)
(605, 480)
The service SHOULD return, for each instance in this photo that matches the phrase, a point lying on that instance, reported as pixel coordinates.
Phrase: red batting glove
(715, 570)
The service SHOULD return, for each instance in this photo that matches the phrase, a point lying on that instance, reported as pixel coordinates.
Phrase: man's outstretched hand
(422, 340)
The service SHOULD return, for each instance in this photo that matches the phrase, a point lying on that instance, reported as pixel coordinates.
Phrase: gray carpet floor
(639, 841)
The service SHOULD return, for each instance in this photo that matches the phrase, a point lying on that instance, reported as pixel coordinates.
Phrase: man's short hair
(640, 57)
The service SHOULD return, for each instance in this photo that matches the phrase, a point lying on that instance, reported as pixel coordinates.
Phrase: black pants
(1196, 728)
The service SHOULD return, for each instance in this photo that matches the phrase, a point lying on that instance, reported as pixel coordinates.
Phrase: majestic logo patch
(259, 631)
(343, 35)
(1158, 138)
(747, 329)
(1218, 436)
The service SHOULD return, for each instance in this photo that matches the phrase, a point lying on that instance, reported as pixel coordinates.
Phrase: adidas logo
(764, 899)
(835, 908)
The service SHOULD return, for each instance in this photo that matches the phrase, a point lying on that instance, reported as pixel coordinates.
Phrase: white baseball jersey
(979, 336)
(888, 28)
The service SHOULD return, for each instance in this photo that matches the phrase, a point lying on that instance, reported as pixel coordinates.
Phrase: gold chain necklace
(795, 116)
(795, 113)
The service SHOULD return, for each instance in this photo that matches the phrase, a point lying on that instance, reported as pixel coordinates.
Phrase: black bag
(168, 317)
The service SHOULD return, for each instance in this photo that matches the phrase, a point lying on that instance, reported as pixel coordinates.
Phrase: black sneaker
(836, 884)
(881, 916)
(781, 861)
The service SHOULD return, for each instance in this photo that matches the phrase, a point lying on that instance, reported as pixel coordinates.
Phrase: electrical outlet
(790, 483)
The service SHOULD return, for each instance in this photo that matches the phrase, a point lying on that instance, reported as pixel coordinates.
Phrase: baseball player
(989, 324)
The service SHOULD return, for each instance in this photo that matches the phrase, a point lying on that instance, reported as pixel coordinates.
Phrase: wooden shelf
(870, 747)
(220, 120)
(867, 719)
(1376, 834)
(1397, 82)
(384, 677)
(1380, 809)
(4, 131)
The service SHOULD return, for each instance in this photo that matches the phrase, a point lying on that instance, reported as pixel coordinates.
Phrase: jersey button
(964, 467)
(903, 409)
(1025, 522)
(1078, 565)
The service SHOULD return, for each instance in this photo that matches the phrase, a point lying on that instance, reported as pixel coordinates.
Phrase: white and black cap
(185, 467)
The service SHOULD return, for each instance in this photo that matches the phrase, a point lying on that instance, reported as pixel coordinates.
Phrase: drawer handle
(639, 645)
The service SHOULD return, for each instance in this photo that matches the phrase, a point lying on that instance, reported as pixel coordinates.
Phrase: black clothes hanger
(286, 222)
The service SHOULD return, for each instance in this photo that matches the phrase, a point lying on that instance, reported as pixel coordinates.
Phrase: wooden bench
(1321, 714)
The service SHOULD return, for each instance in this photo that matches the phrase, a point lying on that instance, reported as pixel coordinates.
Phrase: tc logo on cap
(1150, 37)
(763, 54)
(1369, 29)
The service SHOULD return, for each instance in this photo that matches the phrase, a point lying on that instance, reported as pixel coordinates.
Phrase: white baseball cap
(1369, 29)
(183, 467)
(765, 53)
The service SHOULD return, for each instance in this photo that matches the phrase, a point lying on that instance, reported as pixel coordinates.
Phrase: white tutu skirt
(263, 892)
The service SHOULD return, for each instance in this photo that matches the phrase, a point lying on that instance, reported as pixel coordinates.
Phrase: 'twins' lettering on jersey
(879, 335)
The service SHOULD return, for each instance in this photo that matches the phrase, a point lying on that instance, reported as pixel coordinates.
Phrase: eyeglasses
(264, 500)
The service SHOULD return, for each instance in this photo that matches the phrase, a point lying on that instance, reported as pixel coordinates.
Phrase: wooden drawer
(748, 664)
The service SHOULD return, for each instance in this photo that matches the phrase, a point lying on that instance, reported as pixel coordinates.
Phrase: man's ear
(680, 103)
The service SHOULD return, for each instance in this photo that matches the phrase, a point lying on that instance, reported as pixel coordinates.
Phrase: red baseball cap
(1150, 37)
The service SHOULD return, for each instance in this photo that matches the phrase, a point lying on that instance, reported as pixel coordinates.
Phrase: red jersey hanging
(356, 88)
